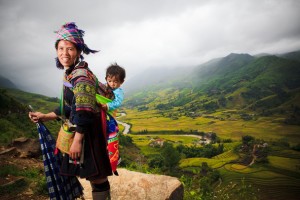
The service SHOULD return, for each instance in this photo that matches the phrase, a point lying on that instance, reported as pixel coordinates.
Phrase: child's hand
(104, 107)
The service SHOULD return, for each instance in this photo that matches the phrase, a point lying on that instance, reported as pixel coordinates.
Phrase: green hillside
(232, 97)
(235, 96)
(14, 121)
(267, 85)
(6, 83)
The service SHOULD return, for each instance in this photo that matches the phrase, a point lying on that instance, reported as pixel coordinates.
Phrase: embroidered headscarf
(70, 32)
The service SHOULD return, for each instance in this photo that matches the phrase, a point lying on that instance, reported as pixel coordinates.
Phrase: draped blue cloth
(59, 187)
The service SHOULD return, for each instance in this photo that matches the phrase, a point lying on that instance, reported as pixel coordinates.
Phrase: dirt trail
(253, 155)
(87, 189)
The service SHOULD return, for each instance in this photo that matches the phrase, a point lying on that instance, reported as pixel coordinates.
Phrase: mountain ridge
(267, 84)
(6, 83)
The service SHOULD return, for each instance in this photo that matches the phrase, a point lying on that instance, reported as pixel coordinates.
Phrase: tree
(213, 137)
(156, 161)
(247, 139)
(204, 169)
(170, 155)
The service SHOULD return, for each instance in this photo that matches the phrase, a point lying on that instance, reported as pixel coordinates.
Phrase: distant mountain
(6, 83)
(295, 55)
(265, 84)
(158, 76)
(223, 66)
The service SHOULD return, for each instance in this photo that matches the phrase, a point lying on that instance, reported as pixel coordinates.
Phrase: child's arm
(117, 102)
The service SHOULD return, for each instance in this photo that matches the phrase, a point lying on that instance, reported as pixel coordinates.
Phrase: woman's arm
(38, 116)
(76, 147)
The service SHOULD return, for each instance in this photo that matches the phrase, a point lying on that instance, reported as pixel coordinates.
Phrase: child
(115, 76)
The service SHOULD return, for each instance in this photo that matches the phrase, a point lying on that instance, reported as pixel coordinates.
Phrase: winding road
(127, 126)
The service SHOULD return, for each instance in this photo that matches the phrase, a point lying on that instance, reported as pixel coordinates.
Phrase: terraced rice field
(278, 179)
(268, 184)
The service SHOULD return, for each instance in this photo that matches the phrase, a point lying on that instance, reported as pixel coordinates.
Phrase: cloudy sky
(140, 34)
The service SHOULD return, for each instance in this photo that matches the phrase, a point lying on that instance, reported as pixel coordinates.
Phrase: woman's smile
(67, 53)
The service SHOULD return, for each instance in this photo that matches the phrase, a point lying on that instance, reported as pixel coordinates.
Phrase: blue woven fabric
(59, 187)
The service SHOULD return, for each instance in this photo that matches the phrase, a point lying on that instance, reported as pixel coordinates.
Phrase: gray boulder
(131, 185)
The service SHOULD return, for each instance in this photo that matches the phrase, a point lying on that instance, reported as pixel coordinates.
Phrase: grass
(143, 141)
(39, 102)
(287, 153)
(285, 163)
(32, 177)
(278, 179)
(271, 185)
(234, 128)
(215, 162)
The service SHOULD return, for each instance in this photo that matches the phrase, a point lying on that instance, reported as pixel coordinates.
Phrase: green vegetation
(14, 121)
(233, 127)
(31, 177)
(235, 87)
(249, 107)
(229, 175)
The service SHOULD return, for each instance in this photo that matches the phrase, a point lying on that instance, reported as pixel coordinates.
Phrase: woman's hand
(38, 116)
(76, 147)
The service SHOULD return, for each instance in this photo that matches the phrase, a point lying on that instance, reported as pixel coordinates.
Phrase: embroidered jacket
(79, 93)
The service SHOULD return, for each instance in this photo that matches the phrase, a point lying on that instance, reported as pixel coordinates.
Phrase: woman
(80, 110)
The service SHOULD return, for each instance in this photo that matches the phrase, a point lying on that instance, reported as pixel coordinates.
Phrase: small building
(157, 143)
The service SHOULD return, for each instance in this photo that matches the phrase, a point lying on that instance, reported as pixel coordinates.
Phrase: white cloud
(142, 34)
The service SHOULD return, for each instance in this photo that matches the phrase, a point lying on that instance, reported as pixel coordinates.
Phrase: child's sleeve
(117, 102)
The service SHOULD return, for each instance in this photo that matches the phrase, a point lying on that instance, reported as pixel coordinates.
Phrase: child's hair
(115, 70)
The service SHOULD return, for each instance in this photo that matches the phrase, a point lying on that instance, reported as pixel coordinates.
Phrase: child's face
(113, 82)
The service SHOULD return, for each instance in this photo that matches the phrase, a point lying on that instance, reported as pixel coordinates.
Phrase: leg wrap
(101, 191)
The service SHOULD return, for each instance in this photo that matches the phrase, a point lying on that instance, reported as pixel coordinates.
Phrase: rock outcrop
(131, 185)
(23, 148)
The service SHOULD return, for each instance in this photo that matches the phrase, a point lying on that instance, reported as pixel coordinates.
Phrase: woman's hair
(117, 71)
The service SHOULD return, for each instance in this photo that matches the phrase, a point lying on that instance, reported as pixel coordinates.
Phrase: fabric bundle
(59, 187)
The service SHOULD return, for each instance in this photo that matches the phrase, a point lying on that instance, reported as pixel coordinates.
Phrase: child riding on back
(115, 77)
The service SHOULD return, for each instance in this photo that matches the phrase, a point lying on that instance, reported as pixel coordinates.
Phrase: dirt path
(87, 189)
(253, 155)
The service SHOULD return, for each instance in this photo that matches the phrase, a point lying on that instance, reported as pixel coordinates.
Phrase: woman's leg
(100, 189)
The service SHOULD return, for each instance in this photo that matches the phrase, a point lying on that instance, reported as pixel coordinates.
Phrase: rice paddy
(233, 128)
(278, 178)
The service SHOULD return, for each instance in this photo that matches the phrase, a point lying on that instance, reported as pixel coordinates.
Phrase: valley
(228, 129)
(241, 174)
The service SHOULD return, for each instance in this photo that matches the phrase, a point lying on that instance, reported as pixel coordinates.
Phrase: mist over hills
(155, 76)
(266, 84)
(6, 83)
(218, 91)
(214, 67)
(291, 55)
(263, 83)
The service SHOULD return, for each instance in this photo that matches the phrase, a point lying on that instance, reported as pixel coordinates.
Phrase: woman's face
(67, 53)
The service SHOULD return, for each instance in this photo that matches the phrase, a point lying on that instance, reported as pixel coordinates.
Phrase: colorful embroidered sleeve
(84, 91)
(117, 102)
